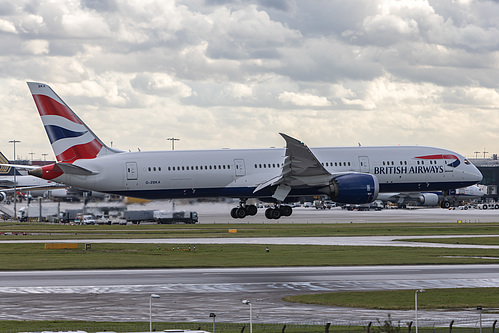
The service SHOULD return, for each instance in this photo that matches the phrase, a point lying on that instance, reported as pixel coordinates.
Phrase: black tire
(275, 213)
(233, 213)
(241, 212)
(445, 204)
(268, 213)
(286, 210)
(251, 210)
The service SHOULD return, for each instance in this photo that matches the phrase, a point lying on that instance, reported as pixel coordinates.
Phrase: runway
(219, 213)
(191, 294)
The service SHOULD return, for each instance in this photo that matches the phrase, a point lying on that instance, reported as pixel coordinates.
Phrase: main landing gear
(243, 210)
(274, 213)
(278, 211)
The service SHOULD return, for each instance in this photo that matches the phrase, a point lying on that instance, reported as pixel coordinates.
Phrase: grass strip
(385, 325)
(131, 256)
(459, 240)
(452, 298)
(7, 326)
(59, 231)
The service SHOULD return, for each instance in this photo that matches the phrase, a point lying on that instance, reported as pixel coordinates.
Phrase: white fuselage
(238, 172)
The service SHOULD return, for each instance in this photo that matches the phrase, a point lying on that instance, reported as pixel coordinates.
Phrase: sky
(234, 74)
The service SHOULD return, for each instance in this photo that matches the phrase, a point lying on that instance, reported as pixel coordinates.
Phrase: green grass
(56, 231)
(459, 240)
(122, 256)
(7, 326)
(405, 299)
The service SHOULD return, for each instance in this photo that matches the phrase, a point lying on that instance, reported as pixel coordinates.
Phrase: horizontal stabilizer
(75, 170)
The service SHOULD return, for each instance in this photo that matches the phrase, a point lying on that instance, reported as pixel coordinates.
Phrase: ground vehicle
(69, 215)
(84, 219)
(376, 205)
(35, 212)
(489, 205)
(324, 204)
(137, 216)
(164, 217)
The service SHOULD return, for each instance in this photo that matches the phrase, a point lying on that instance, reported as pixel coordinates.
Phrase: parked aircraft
(445, 199)
(352, 175)
(23, 183)
(33, 186)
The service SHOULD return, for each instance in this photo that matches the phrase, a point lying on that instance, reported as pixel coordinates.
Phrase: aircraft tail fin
(70, 137)
(6, 170)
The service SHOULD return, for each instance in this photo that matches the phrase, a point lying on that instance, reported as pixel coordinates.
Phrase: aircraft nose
(478, 175)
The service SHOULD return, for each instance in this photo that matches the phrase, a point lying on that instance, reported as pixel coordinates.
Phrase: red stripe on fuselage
(84, 151)
(438, 157)
(48, 106)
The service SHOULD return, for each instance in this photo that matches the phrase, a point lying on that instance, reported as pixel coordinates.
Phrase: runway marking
(332, 286)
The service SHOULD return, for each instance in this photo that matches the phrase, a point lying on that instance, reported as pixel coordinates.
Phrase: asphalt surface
(191, 294)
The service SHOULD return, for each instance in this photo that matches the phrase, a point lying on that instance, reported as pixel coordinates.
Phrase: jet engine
(428, 199)
(353, 188)
(3, 196)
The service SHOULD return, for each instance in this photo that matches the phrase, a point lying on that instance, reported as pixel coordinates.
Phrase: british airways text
(397, 170)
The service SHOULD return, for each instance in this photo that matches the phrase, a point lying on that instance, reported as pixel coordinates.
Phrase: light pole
(212, 315)
(416, 307)
(173, 142)
(251, 316)
(15, 179)
(150, 310)
(479, 308)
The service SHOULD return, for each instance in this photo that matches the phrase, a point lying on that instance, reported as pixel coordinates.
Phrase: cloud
(303, 99)
(235, 73)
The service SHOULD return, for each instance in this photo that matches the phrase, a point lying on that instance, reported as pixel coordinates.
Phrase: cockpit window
(466, 161)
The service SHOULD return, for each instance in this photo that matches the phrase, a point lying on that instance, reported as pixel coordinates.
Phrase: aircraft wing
(20, 166)
(6, 183)
(33, 188)
(301, 168)
(398, 198)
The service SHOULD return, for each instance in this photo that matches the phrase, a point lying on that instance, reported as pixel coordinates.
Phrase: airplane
(352, 175)
(23, 183)
(445, 198)
(37, 187)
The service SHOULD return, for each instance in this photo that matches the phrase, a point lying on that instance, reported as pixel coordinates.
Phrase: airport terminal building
(489, 167)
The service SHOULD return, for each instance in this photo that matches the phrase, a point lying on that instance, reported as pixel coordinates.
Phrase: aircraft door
(363, 164)
(131, 171)
(240, 168)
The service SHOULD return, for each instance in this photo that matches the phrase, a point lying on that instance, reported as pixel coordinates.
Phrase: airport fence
(333, 326)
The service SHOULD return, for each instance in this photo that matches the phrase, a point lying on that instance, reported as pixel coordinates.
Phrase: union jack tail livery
(70, 138)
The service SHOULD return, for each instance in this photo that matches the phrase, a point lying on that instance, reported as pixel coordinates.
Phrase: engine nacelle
(428, 199)
(354, 188)
(3, 196)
